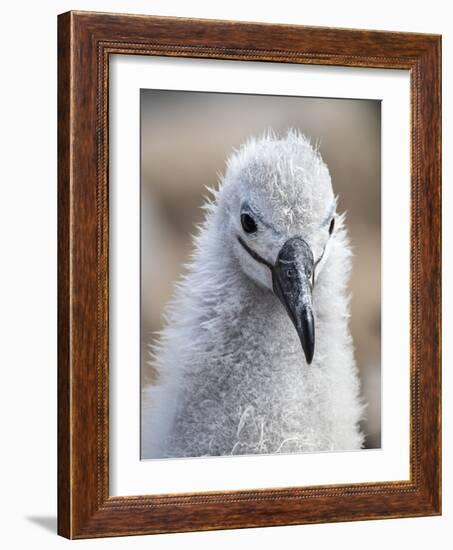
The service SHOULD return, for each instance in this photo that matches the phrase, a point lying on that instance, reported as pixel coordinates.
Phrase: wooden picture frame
(85, 42)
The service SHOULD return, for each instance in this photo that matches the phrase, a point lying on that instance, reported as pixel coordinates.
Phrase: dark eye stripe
(331, 226)
(255, 255)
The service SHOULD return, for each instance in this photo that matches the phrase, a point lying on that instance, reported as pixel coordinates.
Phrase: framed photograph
(249, 275)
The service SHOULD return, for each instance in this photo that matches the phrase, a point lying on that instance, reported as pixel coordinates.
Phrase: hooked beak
(292, 280)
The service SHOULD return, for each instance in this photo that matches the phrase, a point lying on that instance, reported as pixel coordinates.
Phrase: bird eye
(331, 227)
(248, 223)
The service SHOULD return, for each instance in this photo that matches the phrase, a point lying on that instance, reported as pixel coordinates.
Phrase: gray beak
(292, 279)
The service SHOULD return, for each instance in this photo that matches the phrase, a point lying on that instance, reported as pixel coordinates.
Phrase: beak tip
(307, 334)
(309, 353)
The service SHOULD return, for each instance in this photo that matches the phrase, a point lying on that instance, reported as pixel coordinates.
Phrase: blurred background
(185, 140)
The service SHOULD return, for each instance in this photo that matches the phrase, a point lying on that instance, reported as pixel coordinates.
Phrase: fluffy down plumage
(232, 375)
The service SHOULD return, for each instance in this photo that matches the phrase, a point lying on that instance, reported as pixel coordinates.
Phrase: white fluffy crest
(284, 177)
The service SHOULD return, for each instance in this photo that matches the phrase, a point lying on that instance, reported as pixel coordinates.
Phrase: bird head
(280, 214)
